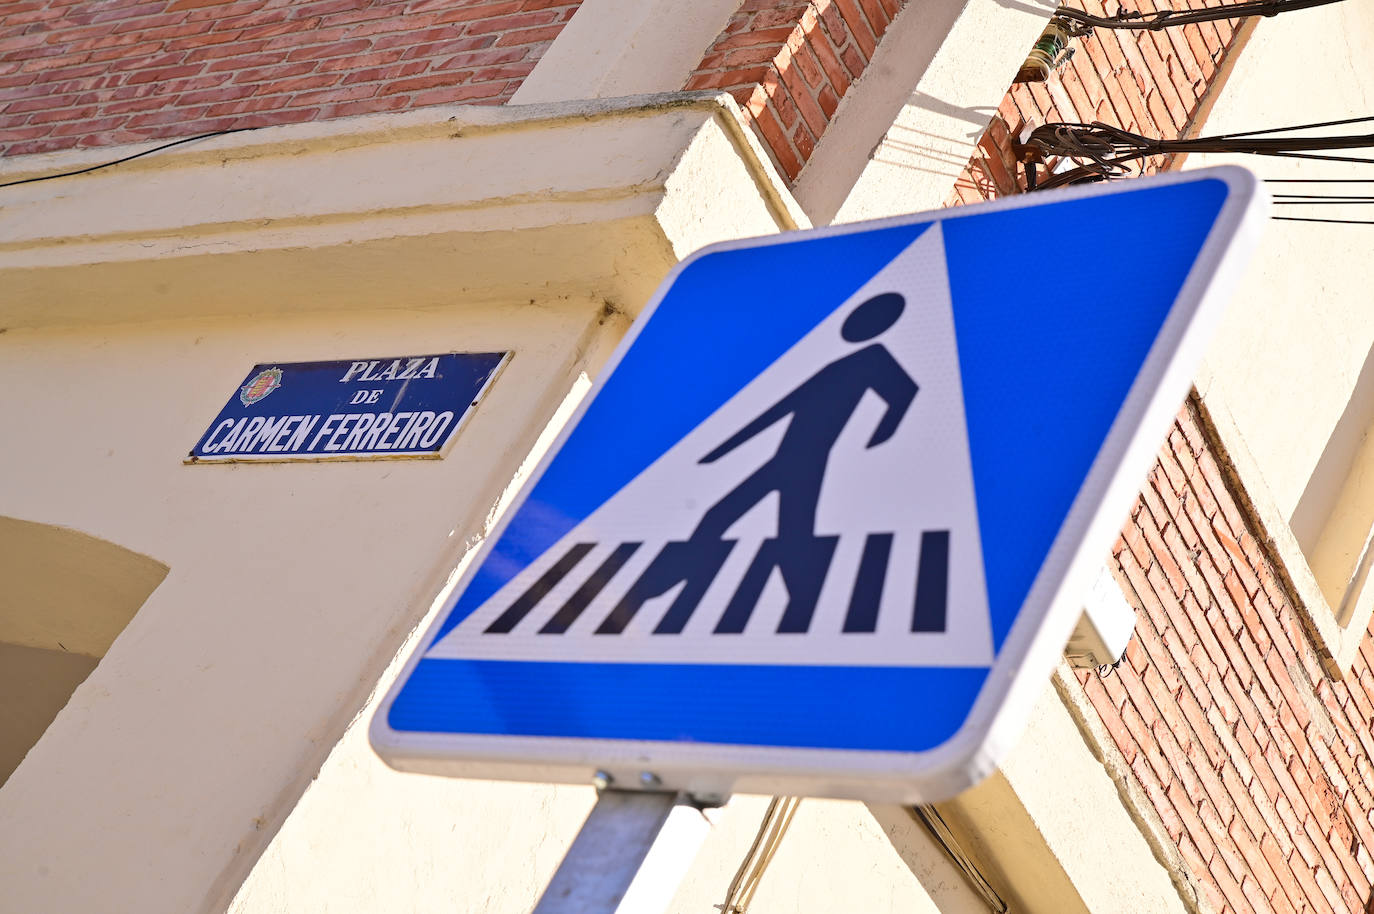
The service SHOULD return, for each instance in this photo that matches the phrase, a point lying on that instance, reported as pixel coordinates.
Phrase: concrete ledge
(477, 203)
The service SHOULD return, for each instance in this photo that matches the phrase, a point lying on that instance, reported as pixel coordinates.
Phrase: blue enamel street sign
(404, 406)
(826, 521)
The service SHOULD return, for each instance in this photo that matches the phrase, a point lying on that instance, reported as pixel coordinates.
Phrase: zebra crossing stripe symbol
(823, 515)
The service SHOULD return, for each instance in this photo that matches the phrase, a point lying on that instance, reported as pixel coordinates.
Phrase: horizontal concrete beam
(477, 203)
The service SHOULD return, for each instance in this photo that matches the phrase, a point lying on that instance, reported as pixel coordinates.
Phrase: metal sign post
(630, 855)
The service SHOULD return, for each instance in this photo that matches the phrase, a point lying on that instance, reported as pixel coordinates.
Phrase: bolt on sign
(831, 544)
(405, 406)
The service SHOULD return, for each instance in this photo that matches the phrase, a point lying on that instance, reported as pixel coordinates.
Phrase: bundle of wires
(1330, 199)
(775, 822)
(1101, 151)
(1164, 19)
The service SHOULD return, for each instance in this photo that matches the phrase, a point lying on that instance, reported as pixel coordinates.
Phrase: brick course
(789, 62)
(1257, 763)
(76, 73)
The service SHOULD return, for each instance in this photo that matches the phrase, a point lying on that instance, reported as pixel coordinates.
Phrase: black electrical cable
(130, 158)
(1168, 18)
(1318, 181)
(1332, 221)
(1104, 143)
(1307, 155)
(1340, 123)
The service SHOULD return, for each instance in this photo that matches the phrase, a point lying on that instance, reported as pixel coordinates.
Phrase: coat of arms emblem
(266, 381)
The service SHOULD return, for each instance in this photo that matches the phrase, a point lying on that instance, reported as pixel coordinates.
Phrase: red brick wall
(98, 72)
(1151, 83)
(789, 62)
(1256, 761)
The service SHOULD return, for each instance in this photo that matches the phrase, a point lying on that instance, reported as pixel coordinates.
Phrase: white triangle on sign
(895, 549)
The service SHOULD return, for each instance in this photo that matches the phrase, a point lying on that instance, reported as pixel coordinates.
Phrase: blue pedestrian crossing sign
(824, 524)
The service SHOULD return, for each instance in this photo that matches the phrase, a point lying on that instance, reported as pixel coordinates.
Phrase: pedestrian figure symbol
(817, 411)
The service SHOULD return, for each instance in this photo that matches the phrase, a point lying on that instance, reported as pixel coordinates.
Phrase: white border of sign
(1036, 641)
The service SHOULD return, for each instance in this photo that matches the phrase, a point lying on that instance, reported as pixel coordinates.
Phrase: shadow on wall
(1340, 455)
(977, 115)
(1038, 9)
(64, 597)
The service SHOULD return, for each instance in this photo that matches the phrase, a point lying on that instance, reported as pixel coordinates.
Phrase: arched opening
(64, 597)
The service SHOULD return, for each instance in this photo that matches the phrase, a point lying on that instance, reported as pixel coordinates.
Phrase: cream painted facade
(215, 758)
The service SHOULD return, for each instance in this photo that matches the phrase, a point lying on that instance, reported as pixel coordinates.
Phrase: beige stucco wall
(1290, 349)
(365, 838)
(836, 856)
